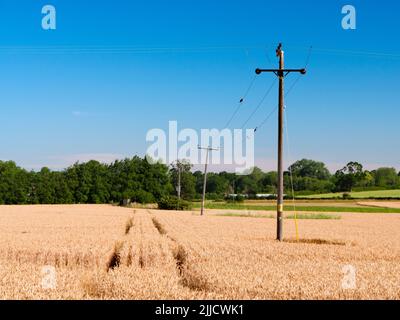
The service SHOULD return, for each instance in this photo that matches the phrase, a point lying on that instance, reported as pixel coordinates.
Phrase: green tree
(45, 187)
(199, 179)
(230, 179)
(62, 193)
(270, 182)
(310, 169)
(14, 184)
(368, 180)
(311, 184)
(217, 184)
(247, 185)
(155, 179)
(89, 182)
(125, 178)
(386, 177)
(346, 178)
(188, 180)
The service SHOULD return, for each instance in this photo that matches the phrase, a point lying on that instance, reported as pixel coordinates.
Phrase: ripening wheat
(106, 252)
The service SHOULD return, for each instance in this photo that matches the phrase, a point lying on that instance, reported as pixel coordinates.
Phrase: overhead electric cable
(260, 103)
(289, 90)
(241, 101)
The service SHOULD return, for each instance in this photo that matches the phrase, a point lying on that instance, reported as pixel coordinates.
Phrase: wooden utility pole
(205, 177)
(281, 73)
(178, 166)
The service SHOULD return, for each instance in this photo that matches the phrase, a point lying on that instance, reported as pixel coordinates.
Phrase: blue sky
(96, 97)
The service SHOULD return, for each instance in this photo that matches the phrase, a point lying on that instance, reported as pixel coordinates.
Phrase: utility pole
(205, 176)
(281, 73)
(179, 182)
(178, 166)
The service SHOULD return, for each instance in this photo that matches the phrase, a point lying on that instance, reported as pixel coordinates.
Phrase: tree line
(306, 176)
(90, 182)
(140, 181)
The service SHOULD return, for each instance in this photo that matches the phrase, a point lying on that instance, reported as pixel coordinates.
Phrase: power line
(65, 49)
(351, 52)
(247, 92)
(266, 119)
(71, 49)
(299, 76)
(288, 91)
(241, 101)
(260, 103)
(276, 108)
(308, 57)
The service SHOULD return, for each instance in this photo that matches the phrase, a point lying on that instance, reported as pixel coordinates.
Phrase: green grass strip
(361, 209)
(320, 216)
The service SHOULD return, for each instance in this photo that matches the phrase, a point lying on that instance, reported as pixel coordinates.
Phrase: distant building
(265, 195)
(235, 195)
(257, 196)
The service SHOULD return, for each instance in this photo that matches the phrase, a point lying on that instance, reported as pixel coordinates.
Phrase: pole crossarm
(207, 148)
(281, 72)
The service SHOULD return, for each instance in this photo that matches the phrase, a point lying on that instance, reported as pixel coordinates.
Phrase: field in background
(385, 194)
(304, 206)
(381, 204)
(105, 252)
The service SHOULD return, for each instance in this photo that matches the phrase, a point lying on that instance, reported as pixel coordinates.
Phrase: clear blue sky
(58, 106)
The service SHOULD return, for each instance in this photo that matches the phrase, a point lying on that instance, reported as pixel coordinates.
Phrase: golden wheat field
(106, 252)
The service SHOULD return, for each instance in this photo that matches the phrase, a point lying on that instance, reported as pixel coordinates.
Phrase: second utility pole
(281, 73)
(178, 164)
(205, 177)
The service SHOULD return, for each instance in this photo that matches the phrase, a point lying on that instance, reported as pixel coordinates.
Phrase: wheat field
(106, 252)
